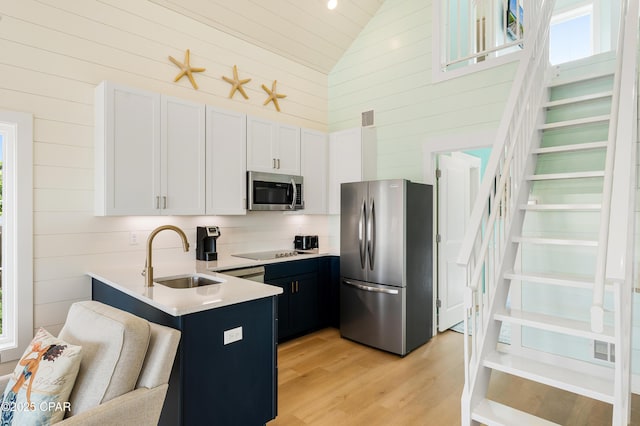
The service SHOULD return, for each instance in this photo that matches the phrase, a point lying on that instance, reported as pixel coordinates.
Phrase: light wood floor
(327, 380)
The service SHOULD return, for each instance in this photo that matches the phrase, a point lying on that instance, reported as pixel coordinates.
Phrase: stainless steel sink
(187, 281)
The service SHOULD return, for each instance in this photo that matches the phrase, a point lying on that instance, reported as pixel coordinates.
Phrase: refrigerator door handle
(371, 234)
(362, 233)
(370, 288)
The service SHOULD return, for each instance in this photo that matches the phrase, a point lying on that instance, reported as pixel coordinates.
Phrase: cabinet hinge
(438, 238)
(438, 303)
(438, 173)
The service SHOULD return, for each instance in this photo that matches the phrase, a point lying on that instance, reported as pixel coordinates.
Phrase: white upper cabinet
(288, 141)
(352, 158)
(314, 164)
(127, 150)
(149, 153)
(182, 158)
(226, 162)
(272, 147)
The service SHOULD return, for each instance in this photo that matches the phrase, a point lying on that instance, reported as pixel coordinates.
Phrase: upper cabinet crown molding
(272, 147)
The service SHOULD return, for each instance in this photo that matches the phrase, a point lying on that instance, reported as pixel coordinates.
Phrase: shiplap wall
(54, 52)
(388, 69)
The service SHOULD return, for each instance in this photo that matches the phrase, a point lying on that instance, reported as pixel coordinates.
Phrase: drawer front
(294, 267)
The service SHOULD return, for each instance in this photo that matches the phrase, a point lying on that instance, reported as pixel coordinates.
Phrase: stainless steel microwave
(272, 191)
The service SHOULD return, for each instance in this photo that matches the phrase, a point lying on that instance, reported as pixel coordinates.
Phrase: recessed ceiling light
(332, 4)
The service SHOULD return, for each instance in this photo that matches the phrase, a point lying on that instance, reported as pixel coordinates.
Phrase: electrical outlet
(133, 238)
(232, 335)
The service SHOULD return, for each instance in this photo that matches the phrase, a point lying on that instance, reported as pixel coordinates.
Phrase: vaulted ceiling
(305, 31)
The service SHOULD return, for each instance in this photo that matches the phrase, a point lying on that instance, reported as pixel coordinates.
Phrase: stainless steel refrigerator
(386, 264)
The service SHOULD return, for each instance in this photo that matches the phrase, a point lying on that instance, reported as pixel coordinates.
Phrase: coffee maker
(206, 237)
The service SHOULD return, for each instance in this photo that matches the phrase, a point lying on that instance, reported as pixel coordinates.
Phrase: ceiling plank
(303, 31)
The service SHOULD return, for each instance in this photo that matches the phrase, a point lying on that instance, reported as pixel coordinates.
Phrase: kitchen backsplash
(257, 231)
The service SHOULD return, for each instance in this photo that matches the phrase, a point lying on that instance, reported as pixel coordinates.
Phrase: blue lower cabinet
(310, 295)
(299, 303)
(329, 278)
(213, 383)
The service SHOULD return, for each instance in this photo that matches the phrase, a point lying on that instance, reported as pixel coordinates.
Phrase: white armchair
(125, 367)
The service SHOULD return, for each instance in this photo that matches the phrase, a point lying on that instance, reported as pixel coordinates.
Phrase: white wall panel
(55, 132)
(62, 178)
(388, 69)
(62, 200)
(54, 54)
(62, 155)
(52, 291)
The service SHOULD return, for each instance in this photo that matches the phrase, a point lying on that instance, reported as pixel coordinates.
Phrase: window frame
(17, 238)
(437, 48)
(586, 9)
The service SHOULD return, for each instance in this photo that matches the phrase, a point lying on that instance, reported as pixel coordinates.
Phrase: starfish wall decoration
(236, 83)
(273, 96)
(187, 69)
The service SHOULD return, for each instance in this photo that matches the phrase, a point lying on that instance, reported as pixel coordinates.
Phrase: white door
(457, 187)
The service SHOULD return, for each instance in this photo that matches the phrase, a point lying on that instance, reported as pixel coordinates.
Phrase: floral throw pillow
(38, 391)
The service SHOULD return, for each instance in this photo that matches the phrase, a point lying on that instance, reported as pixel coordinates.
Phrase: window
(571, 35)
(472, 35)
(16, 134)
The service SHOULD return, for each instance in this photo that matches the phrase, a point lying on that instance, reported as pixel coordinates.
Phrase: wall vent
(604, 351)
(367, 118)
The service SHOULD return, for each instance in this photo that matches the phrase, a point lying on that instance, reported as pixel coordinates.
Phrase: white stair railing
(477, 30)
(619, 181)
(617, 233)
(496, 210)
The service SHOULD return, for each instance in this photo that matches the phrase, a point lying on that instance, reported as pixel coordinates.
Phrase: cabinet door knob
(164, 202)
(278, 164)
(157, 202)
(274, 163)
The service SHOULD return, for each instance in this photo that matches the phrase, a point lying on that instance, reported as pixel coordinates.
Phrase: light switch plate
(232, 335)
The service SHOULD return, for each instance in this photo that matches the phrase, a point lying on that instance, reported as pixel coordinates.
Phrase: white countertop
(177, 302)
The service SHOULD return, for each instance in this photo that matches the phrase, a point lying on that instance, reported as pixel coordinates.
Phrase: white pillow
(38, 391)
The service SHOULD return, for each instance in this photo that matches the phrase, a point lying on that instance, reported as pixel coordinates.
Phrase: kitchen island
(226, 368)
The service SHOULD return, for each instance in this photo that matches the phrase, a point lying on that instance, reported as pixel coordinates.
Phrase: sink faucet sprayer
(148, 268)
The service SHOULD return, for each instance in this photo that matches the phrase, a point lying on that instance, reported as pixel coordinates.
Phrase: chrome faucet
(148, 268)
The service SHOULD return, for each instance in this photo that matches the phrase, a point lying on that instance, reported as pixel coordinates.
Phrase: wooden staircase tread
(556, 241)
(575, 122)
(493, 413)
(578, 99)
(560, 207)
(559, 377)
(570, 175)
(556, 324)
(571, 148)
(560, 81)
(568, 280)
